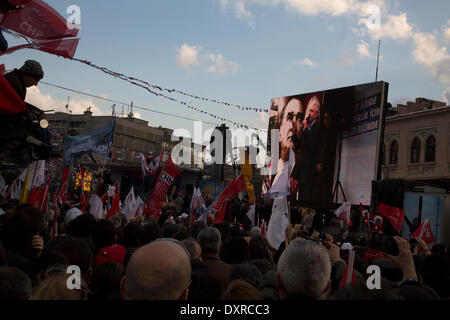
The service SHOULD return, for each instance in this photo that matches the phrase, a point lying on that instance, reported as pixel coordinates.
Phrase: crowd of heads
(169, 259)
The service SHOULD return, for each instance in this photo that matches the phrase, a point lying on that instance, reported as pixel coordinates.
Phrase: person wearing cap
(27, 76)
(115, 253)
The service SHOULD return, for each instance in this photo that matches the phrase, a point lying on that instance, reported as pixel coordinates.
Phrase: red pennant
(394, 215)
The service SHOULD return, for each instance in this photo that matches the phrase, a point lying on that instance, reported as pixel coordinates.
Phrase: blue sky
(244, 52)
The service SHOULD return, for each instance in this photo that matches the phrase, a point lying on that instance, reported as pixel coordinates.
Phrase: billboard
(335, 137)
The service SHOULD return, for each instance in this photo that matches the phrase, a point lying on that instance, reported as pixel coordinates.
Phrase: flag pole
(378, 59)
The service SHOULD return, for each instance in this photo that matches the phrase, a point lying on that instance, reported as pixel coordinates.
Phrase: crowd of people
(169, 258)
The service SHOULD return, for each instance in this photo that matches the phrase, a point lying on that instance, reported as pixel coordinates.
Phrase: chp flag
(232, 190)
(424, 232)
(163, 183)
(394, 215)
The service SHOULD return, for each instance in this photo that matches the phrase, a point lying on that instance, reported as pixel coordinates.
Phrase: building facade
(417, 149)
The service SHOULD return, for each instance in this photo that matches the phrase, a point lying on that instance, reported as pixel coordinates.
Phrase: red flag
(2, 69)
(349, 274)
(394, 215)
(115, 204)
(62, 197)
(65, 48)
(163, 183)
(424, 232)
(219, 208)
(84, 201)
(37, 20)
(263, 228)
(373, 254)
(10, 101)
(34, 197)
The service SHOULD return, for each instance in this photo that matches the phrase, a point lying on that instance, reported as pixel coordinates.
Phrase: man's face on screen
(292, 117)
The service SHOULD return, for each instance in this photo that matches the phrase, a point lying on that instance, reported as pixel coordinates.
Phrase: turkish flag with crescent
(163, 183)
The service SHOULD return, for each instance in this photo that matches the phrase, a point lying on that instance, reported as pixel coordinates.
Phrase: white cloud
(47, 102)
(305, 62)
(446, 95)
(396, 27)
(363, 49)
(220, 65)
(187, 57)
(446, 32)
(428, 53)
(305, 7)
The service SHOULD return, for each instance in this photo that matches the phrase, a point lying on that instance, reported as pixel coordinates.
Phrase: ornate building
(417, 149)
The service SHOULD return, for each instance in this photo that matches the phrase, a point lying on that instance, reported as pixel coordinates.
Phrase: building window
(415, 151)
(430, 152)
(393, 159)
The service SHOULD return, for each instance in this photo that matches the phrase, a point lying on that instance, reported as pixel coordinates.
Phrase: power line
(123, 103)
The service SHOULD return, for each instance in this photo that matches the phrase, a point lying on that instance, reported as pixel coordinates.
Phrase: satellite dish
(43, 123)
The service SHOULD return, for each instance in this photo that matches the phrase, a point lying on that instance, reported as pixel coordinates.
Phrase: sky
(243, 52)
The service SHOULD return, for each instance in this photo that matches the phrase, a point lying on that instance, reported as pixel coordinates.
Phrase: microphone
(308, 119)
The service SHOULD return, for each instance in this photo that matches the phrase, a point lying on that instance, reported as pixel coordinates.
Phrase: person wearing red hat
(115, 253)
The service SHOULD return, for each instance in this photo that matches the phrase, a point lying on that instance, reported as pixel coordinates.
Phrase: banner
(163, 183)
(37, 20)
(98, 141)
(394, 215)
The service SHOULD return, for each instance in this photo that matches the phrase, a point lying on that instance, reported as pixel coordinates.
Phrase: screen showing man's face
(292, 116)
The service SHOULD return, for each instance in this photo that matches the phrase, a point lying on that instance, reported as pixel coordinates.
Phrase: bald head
(160, 270)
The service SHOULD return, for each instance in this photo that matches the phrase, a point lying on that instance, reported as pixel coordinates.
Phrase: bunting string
(149, 87)
(161, 89)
